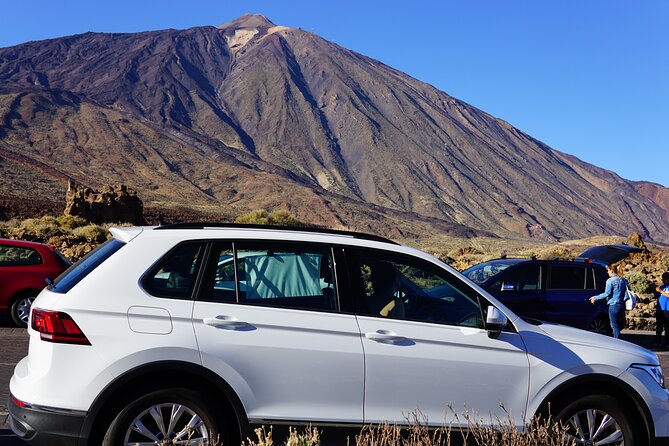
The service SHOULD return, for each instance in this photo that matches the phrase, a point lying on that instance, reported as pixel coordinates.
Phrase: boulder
(114, 204)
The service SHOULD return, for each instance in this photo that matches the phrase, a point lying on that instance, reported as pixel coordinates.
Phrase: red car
(24, 266)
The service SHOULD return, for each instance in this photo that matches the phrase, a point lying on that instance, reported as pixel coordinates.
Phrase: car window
(284, 275)
(590, 279)
(174, 276)
(566, 277)
(19, 256)
(220, 281)
(76, 273)
(483, 271)
(402, 287)
(523, 278)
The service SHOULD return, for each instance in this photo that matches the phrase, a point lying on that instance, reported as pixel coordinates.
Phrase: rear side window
(286, 275)
(590, 279)
(523, 278)
(566, 278)
(75, 273)
(174, 276)
(18, 256)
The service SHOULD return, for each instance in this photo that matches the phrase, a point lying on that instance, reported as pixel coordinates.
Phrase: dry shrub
(263, 438)
(551, 252)
(37, 229)
(639, 282)
(465, 250)
(90, 233)
(500, 432)
(71, 221)
(310, 437)
(262, 217)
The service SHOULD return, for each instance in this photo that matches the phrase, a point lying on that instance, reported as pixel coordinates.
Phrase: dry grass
(417, 432)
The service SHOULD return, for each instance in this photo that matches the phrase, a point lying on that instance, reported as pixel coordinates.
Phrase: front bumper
(41, 426)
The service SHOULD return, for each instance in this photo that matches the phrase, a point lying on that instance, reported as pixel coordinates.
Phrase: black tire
(20, 309)
(160, 405)
(598, 407)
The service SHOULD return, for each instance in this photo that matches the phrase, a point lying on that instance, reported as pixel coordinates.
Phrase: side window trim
(202, 270)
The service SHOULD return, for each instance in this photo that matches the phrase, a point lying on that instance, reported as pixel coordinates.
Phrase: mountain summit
(251, 115)
(248, 21)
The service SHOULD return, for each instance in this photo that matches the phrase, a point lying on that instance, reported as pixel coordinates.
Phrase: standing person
(614, 293)
(662, 312)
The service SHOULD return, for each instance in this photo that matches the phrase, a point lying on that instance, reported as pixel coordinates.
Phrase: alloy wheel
(23, 309)
(593, 427)
(167, 424)
(599, 325)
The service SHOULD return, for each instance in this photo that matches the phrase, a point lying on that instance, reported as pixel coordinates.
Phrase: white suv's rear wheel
(598, 419)
(170, 416)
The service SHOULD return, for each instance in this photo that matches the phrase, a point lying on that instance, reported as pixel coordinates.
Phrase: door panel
(285, 364)
(267, 321)
(426, 347)
(567, 297)
(436, 366)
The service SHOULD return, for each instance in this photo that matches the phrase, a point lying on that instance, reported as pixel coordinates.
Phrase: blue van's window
(75, 273)
(566, 278)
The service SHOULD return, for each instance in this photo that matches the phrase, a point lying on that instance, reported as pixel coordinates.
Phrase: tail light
(57, 327)
(18, 402)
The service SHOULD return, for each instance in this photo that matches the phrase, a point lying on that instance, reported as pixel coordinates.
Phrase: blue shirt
(663, 301)
(614, 293)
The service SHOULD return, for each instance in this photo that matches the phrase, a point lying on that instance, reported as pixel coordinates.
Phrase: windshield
(75, 273)
(483, 271)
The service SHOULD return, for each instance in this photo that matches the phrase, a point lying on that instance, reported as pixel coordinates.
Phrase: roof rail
(572, 259)
(311, 229)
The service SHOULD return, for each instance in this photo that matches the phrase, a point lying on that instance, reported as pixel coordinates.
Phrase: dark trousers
(661, 324)
(617, 318)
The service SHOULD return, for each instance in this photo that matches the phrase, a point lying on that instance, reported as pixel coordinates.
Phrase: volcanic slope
(251, 114)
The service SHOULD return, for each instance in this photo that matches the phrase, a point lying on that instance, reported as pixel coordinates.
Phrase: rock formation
(114, 204)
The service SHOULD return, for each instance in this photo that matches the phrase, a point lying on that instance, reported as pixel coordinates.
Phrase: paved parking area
(14, 346)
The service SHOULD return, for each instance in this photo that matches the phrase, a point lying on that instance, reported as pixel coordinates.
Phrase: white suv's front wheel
(170, 416)
(598, 419)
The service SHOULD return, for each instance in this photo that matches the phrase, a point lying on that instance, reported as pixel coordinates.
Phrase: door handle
(386, 337)
(227, 322)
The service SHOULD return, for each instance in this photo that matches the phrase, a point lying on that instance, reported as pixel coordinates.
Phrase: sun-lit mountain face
(251, 115)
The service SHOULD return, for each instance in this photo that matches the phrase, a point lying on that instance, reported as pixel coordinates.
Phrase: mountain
(251, 115)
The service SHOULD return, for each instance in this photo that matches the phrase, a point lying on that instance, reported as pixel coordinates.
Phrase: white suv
(199, 332)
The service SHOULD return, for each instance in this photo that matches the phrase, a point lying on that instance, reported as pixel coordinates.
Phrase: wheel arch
(26, 291)
(598, 384)
(158, 375)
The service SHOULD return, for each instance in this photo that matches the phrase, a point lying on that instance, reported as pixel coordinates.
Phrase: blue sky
(587, 77)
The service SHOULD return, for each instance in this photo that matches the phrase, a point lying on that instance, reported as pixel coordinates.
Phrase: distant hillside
(252, 115)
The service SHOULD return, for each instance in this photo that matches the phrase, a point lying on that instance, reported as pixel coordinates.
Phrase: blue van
(555, 290)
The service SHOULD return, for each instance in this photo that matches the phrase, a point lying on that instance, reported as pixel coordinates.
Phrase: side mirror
(495, 321)
(508, 286)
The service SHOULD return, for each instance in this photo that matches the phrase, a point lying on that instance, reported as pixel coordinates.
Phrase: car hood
(609, 254)
(575, 336)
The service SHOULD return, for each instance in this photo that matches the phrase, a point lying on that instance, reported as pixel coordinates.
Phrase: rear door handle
(386, 337)
(226, 322)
